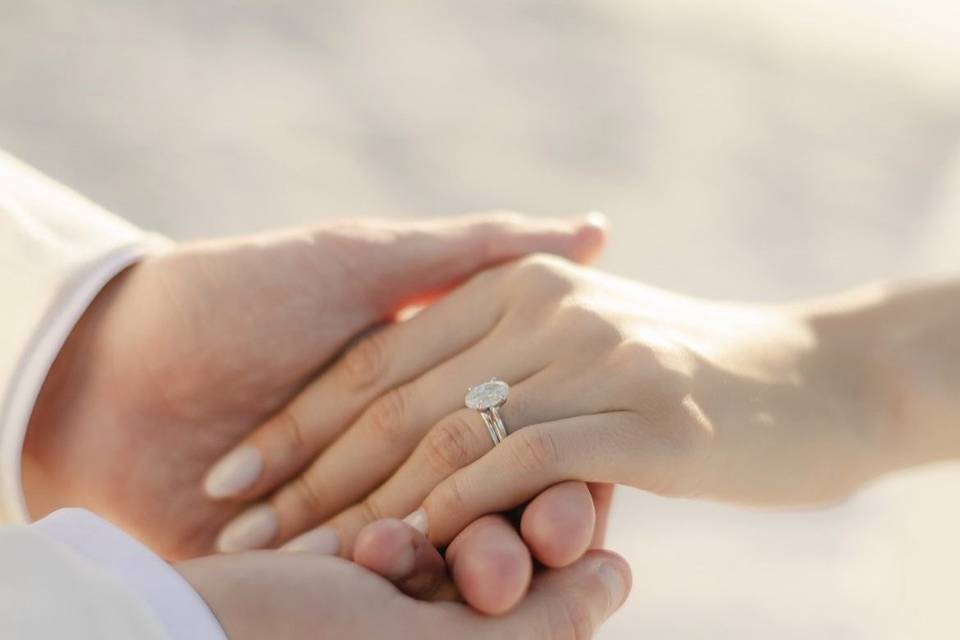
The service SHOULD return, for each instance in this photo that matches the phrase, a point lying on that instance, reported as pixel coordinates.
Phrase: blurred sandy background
(749, 149)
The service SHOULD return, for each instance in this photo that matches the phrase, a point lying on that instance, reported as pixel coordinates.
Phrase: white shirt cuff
(49, 338)
(179, 609)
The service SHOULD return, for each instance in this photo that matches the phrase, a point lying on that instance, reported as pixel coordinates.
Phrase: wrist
(63, 406)
(896, 341)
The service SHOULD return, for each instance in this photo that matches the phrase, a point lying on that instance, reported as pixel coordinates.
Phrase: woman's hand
(611, 382)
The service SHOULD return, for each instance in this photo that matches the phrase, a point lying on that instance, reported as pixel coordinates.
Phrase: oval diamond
(487, 395)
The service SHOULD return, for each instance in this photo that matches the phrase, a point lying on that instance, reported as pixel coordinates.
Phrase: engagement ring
(487, 398)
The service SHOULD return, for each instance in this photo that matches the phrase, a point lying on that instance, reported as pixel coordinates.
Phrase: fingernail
(418, 520)
(613, 581)
(234, 472)
(252, 529)
(596, 219)
(403, 564)
(323, 541)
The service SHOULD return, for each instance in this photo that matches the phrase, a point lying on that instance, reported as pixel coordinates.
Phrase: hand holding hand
(184, 354)
(488, 564)
(289, 596)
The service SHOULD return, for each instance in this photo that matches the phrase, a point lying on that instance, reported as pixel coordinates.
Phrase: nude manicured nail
(322, 541)
(613, 581)
(418, 520)
(235, 472)
(252, 529)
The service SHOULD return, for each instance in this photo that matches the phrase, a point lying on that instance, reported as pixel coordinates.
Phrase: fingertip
(591, 236)
(401, 554)
(494, 581)
(596, 219)
(235, 473)
(322, 541)
(386, 547)
(492, 568)
(558, 525)
(254, 528)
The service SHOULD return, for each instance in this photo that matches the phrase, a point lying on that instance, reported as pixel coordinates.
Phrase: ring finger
(374, 446)
(457, 441)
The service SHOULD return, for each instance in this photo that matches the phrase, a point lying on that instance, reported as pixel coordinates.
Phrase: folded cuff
(47, 340)
(174, 603)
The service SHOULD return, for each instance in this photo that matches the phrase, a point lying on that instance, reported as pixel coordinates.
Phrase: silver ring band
(501, 428)
(487, 398)
(488, 421)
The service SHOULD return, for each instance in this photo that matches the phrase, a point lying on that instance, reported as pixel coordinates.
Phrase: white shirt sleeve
(152, 582)
(72, 574)
(49, 592)
(57, 250)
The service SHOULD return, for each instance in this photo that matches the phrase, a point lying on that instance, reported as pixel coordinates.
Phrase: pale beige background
(748, 148)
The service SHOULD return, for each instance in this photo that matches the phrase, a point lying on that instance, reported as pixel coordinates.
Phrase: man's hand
(274, 594)
(488, 564)
(184, 354)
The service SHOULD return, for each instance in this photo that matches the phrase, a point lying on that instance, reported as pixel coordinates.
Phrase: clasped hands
(186, 354)
(256, 393)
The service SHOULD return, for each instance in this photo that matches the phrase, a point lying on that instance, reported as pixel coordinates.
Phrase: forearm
(903, 341)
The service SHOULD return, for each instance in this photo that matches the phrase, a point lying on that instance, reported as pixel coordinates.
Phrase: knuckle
(370, 510)
(635, 362)
(451, 498)
(364, 363)
(661, 367)
(590, 326)
(307, 495)
(540, 274)
(690, 434)
(539, 266)
(535, 450)
(292, 430)
(449, 445)
(386, 416)
(487, 278)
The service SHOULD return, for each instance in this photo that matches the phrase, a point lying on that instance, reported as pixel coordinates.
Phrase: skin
(183, 355)
(270, 594)
(490, 564)
(766, 405)
(487, 565)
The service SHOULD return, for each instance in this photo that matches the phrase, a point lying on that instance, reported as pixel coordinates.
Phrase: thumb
(568, 603)
(403, 262)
